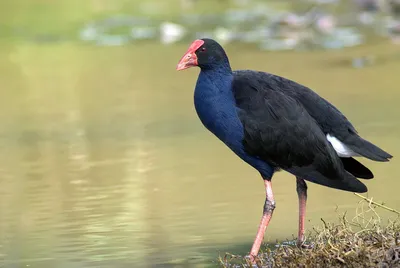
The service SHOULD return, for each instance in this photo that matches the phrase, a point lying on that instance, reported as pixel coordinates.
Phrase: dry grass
(362, 241)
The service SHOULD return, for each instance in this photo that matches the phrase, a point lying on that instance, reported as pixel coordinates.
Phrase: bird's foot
(304, 245)
(255, 262)
(251, 259)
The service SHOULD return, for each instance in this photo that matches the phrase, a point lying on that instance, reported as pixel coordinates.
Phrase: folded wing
(279, 130)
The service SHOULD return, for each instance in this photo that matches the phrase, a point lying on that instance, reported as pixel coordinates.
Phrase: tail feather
(347, 183)
(367, 149)
(356, 168)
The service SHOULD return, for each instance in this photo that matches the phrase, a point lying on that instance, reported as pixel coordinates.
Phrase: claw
(251, 259)
(305, 245)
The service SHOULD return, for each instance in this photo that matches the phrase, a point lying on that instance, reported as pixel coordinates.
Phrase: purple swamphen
(273, 123)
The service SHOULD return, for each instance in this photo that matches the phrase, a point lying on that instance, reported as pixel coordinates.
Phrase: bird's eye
(202, 49)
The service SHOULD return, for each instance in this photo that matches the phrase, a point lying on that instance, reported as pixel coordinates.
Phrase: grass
(363, 241)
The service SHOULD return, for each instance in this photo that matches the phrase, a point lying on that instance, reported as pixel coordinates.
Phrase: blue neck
(217, 80)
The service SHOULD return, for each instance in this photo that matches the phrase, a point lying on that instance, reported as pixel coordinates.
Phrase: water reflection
(118, 172)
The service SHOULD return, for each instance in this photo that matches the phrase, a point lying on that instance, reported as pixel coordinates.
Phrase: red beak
(190, 59)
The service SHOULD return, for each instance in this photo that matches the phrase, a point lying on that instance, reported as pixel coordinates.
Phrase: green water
(104, 163)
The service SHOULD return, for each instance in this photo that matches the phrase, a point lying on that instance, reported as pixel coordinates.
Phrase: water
(104, 163)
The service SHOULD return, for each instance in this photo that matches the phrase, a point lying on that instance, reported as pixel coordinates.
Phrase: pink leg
(269, 207)
(301, 188)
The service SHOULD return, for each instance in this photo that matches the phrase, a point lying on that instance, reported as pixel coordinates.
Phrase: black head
(204, 53)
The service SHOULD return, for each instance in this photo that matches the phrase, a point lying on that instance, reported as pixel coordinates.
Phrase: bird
(273, 123)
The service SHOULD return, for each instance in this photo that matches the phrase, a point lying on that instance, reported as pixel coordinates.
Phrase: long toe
(253, 261)
(305, 245)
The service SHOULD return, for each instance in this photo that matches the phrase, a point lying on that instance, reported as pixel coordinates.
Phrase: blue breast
(216, 107)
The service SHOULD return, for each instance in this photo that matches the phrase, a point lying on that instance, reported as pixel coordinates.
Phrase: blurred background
(103, 161)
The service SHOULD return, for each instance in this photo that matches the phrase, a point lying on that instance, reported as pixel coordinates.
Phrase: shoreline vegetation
(365, 240)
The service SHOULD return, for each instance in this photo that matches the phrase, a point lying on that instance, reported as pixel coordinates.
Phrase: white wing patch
(341, 149)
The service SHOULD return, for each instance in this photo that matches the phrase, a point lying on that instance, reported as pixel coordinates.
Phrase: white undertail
(341, 149)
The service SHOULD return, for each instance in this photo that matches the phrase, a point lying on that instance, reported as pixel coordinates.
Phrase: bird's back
(330, 120)
(328, 117)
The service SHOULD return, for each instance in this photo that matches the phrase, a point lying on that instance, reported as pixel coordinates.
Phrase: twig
(369, 200)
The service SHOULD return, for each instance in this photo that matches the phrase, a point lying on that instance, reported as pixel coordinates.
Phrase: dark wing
(279, 130)
(327, 116)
